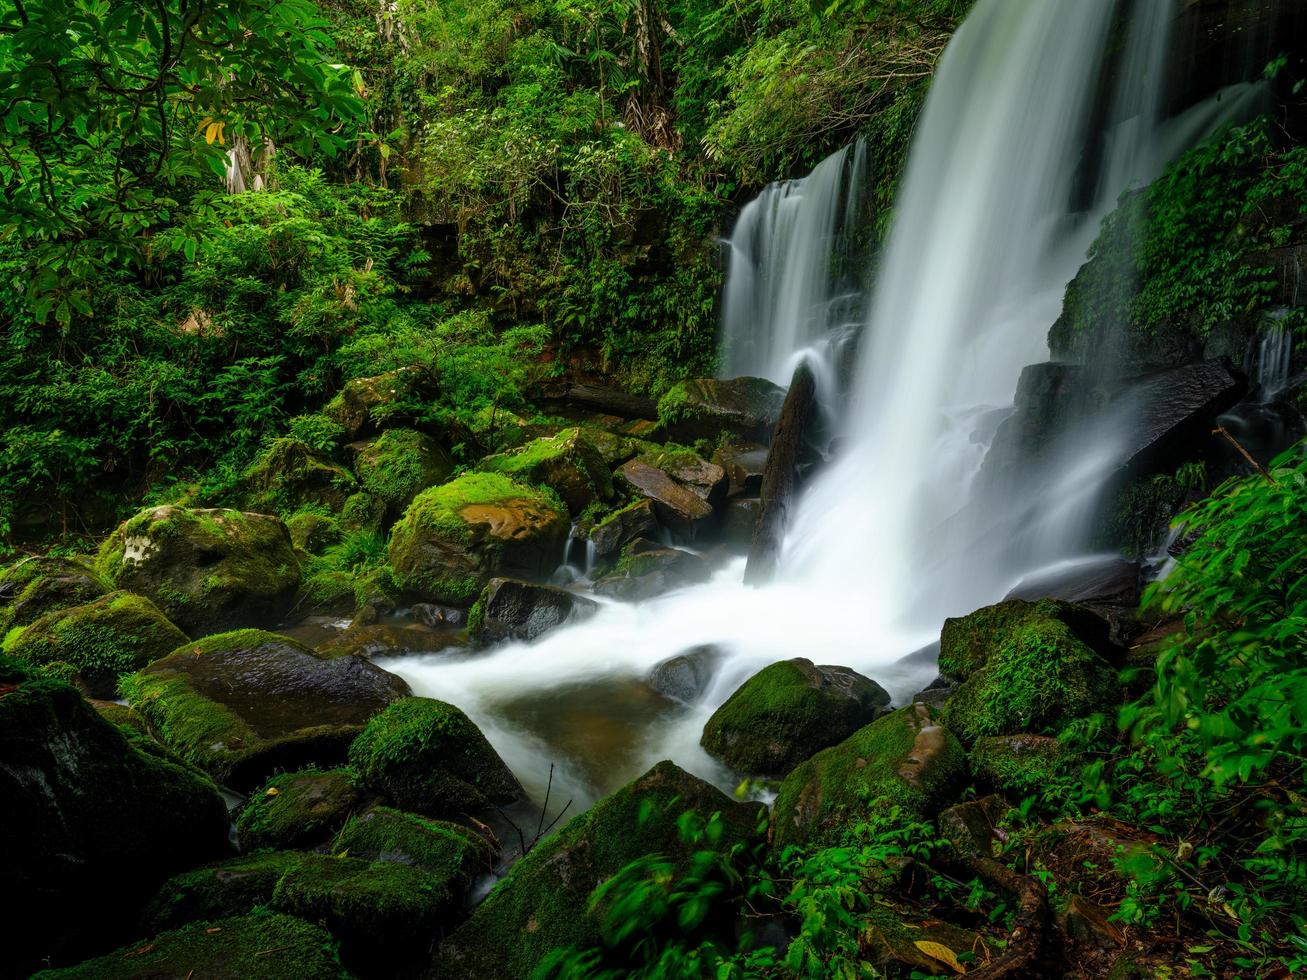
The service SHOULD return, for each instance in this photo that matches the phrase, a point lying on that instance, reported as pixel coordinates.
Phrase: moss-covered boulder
(367, 405)
(454, 538)
(297, 809)
(206, 570)
(290, 474)
(789, 711)
(707, 408)
(541, 904)
(512, 609)
(218, 890)
(32, 587)
(243, 705)
(90, 823)
(399, 464)
(312, 531)
(267, 946)
(1040, 677)
(968, 643)
(905, 759)
(427, 756)
(102, 641)
(455, 853)
(647, 569)
(568, 463)
(1018, 764)
(618, 529)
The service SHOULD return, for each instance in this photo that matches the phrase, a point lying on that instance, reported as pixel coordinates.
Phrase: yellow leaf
(205, 122)
(938, 951)
(272, 791)
(221, 137)
(211, 132)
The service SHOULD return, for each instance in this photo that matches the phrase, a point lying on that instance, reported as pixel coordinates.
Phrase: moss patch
(297, 809)
(399, 465)
(568, 463)
(32, 587)
(290, 474)
(968, 643)
(454, 853)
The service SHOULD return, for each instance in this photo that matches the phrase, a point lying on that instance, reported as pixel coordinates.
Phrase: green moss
(968, 643)
(1041, 678)
(476, 618)
(115, 635)
(566, 463)
(297, 809)
(1140, 515)
(439, 508)
(227, 888)
(270, 947)
(399, 465)
(289, 474)
(428, 757)
(1019, 764)
(32, 587)
(904, 760)
(312, 531)
(454, 853)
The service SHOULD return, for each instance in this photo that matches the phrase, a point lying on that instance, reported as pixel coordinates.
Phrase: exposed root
(1026, 941)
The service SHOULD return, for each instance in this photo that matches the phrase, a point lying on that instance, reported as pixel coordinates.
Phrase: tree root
(1027, 938)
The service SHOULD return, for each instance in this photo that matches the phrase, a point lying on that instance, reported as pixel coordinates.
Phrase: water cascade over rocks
(1041, 113)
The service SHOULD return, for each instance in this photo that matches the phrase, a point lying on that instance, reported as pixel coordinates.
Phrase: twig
(1223, 431)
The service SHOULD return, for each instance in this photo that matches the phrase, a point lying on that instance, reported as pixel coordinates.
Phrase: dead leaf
(938, 951)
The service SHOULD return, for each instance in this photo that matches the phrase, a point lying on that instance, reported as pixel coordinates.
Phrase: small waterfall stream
(1014, 164)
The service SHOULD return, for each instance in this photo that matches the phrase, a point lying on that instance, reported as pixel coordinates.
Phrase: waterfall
(784, 293)
(1026, 141)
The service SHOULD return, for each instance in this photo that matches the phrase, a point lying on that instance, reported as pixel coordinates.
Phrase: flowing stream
(1020, 151)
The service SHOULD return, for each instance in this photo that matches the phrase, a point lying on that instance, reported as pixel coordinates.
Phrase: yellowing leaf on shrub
(272, 791)
(938, 951)
(214, 132)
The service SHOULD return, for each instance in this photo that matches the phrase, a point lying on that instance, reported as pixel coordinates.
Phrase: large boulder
(968, 643)
(290, 474)
(90, 822)
(454, 538)
(32, 587)
(906, 760)
(427, 756)
(705, 408)
(686, 676)
(273, 947)
(399, 464)
(678, 508)
(101, 641)
(366, 405)
(542, 903)
(789, 711)
(458, 855)
(243, 705)
(511, 609)
(207, 570)
(568, 463)
(297, 809)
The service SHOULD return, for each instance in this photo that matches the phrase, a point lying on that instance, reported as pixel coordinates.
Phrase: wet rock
(686, 676)
(705, 480)
(366, 405)
(623, 526)
(512, 609)
(900, 943)
(744, 464)
(679, 509)
(399, 464)
(610, 401)
(438, 616)
(615, 449)
(542, 903)
(568, 463)
(457, 854)
(1109, 581)
(428, 757)
(789, 711)
(905, 759)
(1175, 411)
(454, 538)
(385, 640)
(101, 641)
(646, 569)
(92, 824)
(971, 827)
(706, 408)
(297, 810)
(32, 587)
(1020, 764)
(936, 692)
(290, 474)
(206, 570)
(243, 705)
(739, 519)
(270, 946)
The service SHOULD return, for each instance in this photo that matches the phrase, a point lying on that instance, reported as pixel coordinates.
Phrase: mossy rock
(207, 570)
(267, 946)
(789, 711)
(297, 809)
(243, 705)
(102, 641)
(1018, 764)
(1040, 678)
(542, 904)
(708, 408)
(427, 756)
(511, 609)
(290, 474)
(399, 464)
(92, 823)
(363, 512)
(367, 405)
(454, 538)
(568, 463)
(32, 587)
(312, 531)
(221, 889)
(618, 529)
(614, 448)
(905, 759)
(647, 569)
(968, 643)
(455, 853)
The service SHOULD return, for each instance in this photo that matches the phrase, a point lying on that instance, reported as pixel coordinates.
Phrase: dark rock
(610, 401)
(384, 640)
(706, 408)
(937, 691)
(971, 827)
(678, 508)
(32, 587)
(744, 465)
(739, 519)
(705, 480)
(297, 810)
(437, 616)
(787, 712)
(623, 526)
(1108, 581)
(1088, 923)
(686, 676)
(647, 569)
(512, 609)
(243, 705)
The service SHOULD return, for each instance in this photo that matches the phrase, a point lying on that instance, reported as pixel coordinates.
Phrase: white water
(889, 541)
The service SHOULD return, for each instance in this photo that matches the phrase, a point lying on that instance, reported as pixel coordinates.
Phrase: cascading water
(1015, 162)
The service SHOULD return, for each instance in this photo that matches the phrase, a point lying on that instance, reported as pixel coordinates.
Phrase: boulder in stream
(686, 676)
(512, 609)
(707, 408)
(621, 527)
(568, 463)
(677, 507)
(647, 569)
